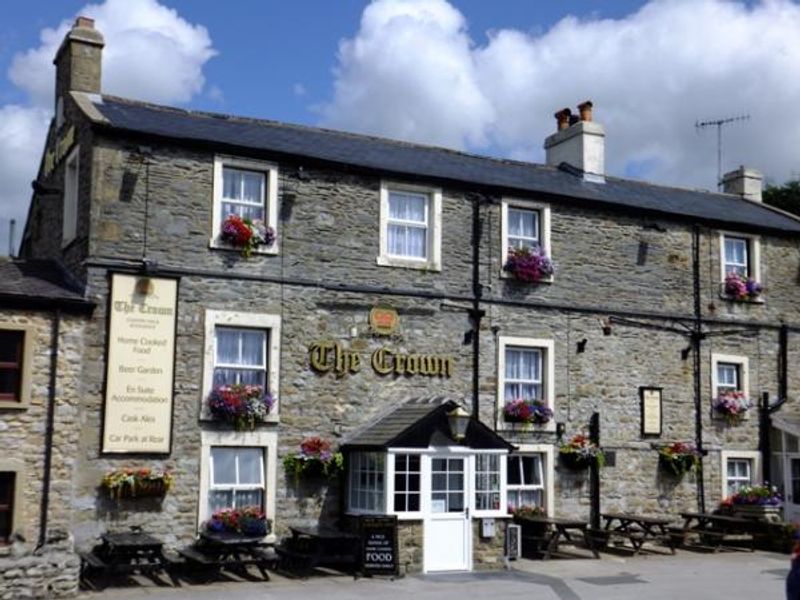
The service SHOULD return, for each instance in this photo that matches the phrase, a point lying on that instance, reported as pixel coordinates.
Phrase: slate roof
(420, 422)
(418, 161)
(39, 284)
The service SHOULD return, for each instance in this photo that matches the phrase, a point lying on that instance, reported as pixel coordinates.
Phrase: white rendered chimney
(579, 142)
(743, 182)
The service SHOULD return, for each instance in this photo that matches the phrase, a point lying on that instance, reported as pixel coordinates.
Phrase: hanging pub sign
(379, 545)
(140, 365)
(650, 398)
(383, 320)
(58, 150)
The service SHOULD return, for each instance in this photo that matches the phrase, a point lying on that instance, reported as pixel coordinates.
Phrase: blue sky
(484, 77)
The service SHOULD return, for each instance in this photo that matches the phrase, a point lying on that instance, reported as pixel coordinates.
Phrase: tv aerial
(718, 123)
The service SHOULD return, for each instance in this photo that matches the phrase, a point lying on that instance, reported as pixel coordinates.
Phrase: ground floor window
(525, 480)
(739, 468)
(366, 482)
(407, 490)
(237, 478)
(7, 488)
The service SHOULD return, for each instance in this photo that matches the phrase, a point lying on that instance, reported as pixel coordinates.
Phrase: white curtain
(523, 228)
(242, 193)
(240, 356)
(736, 256)
(408, 225)
(236, 467)
(523, 374)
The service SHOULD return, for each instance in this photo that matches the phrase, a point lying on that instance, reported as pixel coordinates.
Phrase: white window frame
(753, 254)
(26, 373)
(224, 318)
(544, 229)
(753, 456)
(433, 262)
(548, 370)
(264, 366)
(236, 487)
(391, 472)
(743, 363)
(71, 197)
(349, 488)
(424, 484)
(267, 441)
(548, 471)
(270, 172)
(502, 511)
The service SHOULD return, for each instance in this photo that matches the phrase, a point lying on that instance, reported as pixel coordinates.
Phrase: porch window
(525, 480)
(487, 482)
(407, 483)
(366, 482)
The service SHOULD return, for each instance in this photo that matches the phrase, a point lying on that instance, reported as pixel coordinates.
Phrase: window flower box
(678, 459)
(732, 406)
(316, 459)
(579, 453)
(527, 411)
(246, 234)
(137, 483)
(249, 521)
(740, 288)
(529, 264)
(241, 405)
(760, 502)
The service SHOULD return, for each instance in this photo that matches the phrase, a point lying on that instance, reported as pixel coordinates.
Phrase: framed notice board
(650, 399)
(379, 545)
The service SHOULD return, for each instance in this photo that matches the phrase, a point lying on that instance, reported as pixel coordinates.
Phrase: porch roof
(421, 423)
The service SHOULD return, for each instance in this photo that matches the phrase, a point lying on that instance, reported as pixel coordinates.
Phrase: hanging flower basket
(529, 264)
(678, 459)
(527, 411)
(579, 453)
(248, 521)
(241, 405)
(315, 459)
(246, 234)
(740, 288)
(732, 406)
(137, 483)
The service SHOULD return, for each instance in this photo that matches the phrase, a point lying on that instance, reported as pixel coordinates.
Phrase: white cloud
(151, 53)
(412, 72)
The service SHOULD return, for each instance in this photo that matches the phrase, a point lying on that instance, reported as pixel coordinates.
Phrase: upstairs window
(12, 343)
(249, 189)
(240, 356)
(410, 222)
(737, 256)
(523, 377)
(728, 377)
(523, 228)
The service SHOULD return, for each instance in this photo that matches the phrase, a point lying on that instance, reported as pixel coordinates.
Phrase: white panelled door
(447, 529)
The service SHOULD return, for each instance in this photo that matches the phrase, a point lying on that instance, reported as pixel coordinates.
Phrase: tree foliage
(786, 196)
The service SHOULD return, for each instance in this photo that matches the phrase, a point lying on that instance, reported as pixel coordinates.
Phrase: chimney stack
(579, 142)
(743, 182)
(78, 60)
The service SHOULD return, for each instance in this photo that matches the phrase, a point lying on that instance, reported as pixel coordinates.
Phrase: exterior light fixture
(458, 420)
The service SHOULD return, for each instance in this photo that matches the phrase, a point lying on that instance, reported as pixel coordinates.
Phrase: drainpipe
(766, 409)
(697, 338)
(476, 314)
(50, 428)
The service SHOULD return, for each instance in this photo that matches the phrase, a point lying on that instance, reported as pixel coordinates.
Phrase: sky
(483, 77)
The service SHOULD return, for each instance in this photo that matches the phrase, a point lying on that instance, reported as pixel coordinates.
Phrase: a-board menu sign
(141, 360)
(379, 545)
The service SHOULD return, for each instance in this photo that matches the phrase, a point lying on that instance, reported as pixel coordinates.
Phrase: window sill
(731, 300)
(510, 277)
(490, 514)
(215, 244)
(717, 416)
(508, 426)
(207, 419)
(13, 405)
(408, 263)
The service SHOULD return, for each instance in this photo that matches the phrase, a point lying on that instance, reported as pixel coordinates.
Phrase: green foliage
(786, 196)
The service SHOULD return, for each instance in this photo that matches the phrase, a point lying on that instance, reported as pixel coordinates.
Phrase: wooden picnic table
(311, 547)
(556, 532)
(638, 529)
(124, 553)
(215, 550)
(714, 530)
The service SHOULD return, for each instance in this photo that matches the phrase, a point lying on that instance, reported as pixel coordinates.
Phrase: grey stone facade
(325, 279)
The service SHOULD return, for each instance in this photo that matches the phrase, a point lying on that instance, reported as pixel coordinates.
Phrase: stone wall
(49, 573)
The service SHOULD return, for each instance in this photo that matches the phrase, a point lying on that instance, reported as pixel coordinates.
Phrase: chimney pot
(84, 22)
(563, 118)
(585, 109)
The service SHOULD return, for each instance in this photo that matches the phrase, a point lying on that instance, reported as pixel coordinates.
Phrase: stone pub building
(384, 296)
